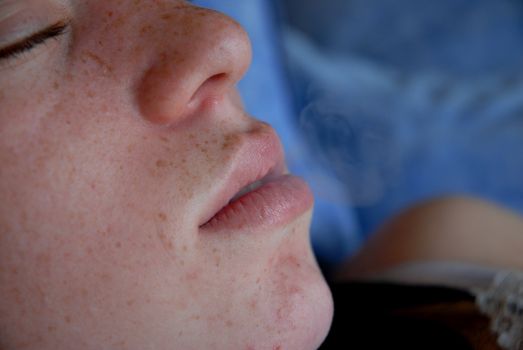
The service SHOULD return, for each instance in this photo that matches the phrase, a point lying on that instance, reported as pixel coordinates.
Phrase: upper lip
(259, 155)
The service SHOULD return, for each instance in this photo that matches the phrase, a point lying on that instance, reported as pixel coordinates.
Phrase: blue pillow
(411, 99)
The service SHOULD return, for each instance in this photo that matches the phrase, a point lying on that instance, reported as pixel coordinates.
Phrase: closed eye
(14, 50)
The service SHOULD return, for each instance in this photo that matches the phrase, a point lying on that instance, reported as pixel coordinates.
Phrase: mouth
(258, 195)
(254, 186)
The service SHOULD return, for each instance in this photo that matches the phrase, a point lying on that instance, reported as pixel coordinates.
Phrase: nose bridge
(201, 54)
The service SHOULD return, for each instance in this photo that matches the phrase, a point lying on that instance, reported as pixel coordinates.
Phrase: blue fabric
(410, 99)
(267, 96)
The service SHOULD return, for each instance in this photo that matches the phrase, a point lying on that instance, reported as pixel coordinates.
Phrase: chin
(301, 304)
(309, 312)
(312, 316)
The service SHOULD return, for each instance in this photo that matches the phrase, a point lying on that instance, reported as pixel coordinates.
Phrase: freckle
(164, 139)
(162, 216)
(51, 329)
(43, 258)
(130, 302)
(56, 85)
(145, 29)
(138, 49)
(191, 136)
(229, 323)
(184, 248)
(118, 244)
(17, 295)
(67, 319)
(106, 277)
(160, 163)
(110, 14)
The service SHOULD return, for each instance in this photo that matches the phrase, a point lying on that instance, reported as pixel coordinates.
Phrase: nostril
(218, 77)
(214, 87)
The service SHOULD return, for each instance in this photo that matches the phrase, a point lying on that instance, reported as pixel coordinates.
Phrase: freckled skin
(112, 137)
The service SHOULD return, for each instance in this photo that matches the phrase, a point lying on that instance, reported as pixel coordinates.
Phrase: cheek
(104, 284)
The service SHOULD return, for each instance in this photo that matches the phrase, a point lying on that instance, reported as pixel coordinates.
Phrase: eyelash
(16, 49)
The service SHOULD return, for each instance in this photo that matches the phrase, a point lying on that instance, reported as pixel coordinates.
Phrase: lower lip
(272, 205)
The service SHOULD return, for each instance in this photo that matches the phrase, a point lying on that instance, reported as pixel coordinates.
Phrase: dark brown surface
(388, 316)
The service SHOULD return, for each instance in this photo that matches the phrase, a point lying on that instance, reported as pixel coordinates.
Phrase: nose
(201, 56)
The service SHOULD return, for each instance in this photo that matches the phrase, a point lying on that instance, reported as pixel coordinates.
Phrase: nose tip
(205, 55)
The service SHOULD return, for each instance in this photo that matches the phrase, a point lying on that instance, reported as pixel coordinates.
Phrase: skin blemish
(162, 217)
(100, 62)
(166, 242)
(67, 319)
(118, 244)
(146, 29)
(192, 276)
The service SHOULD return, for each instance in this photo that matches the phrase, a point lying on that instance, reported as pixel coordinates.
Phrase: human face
(121, 137)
